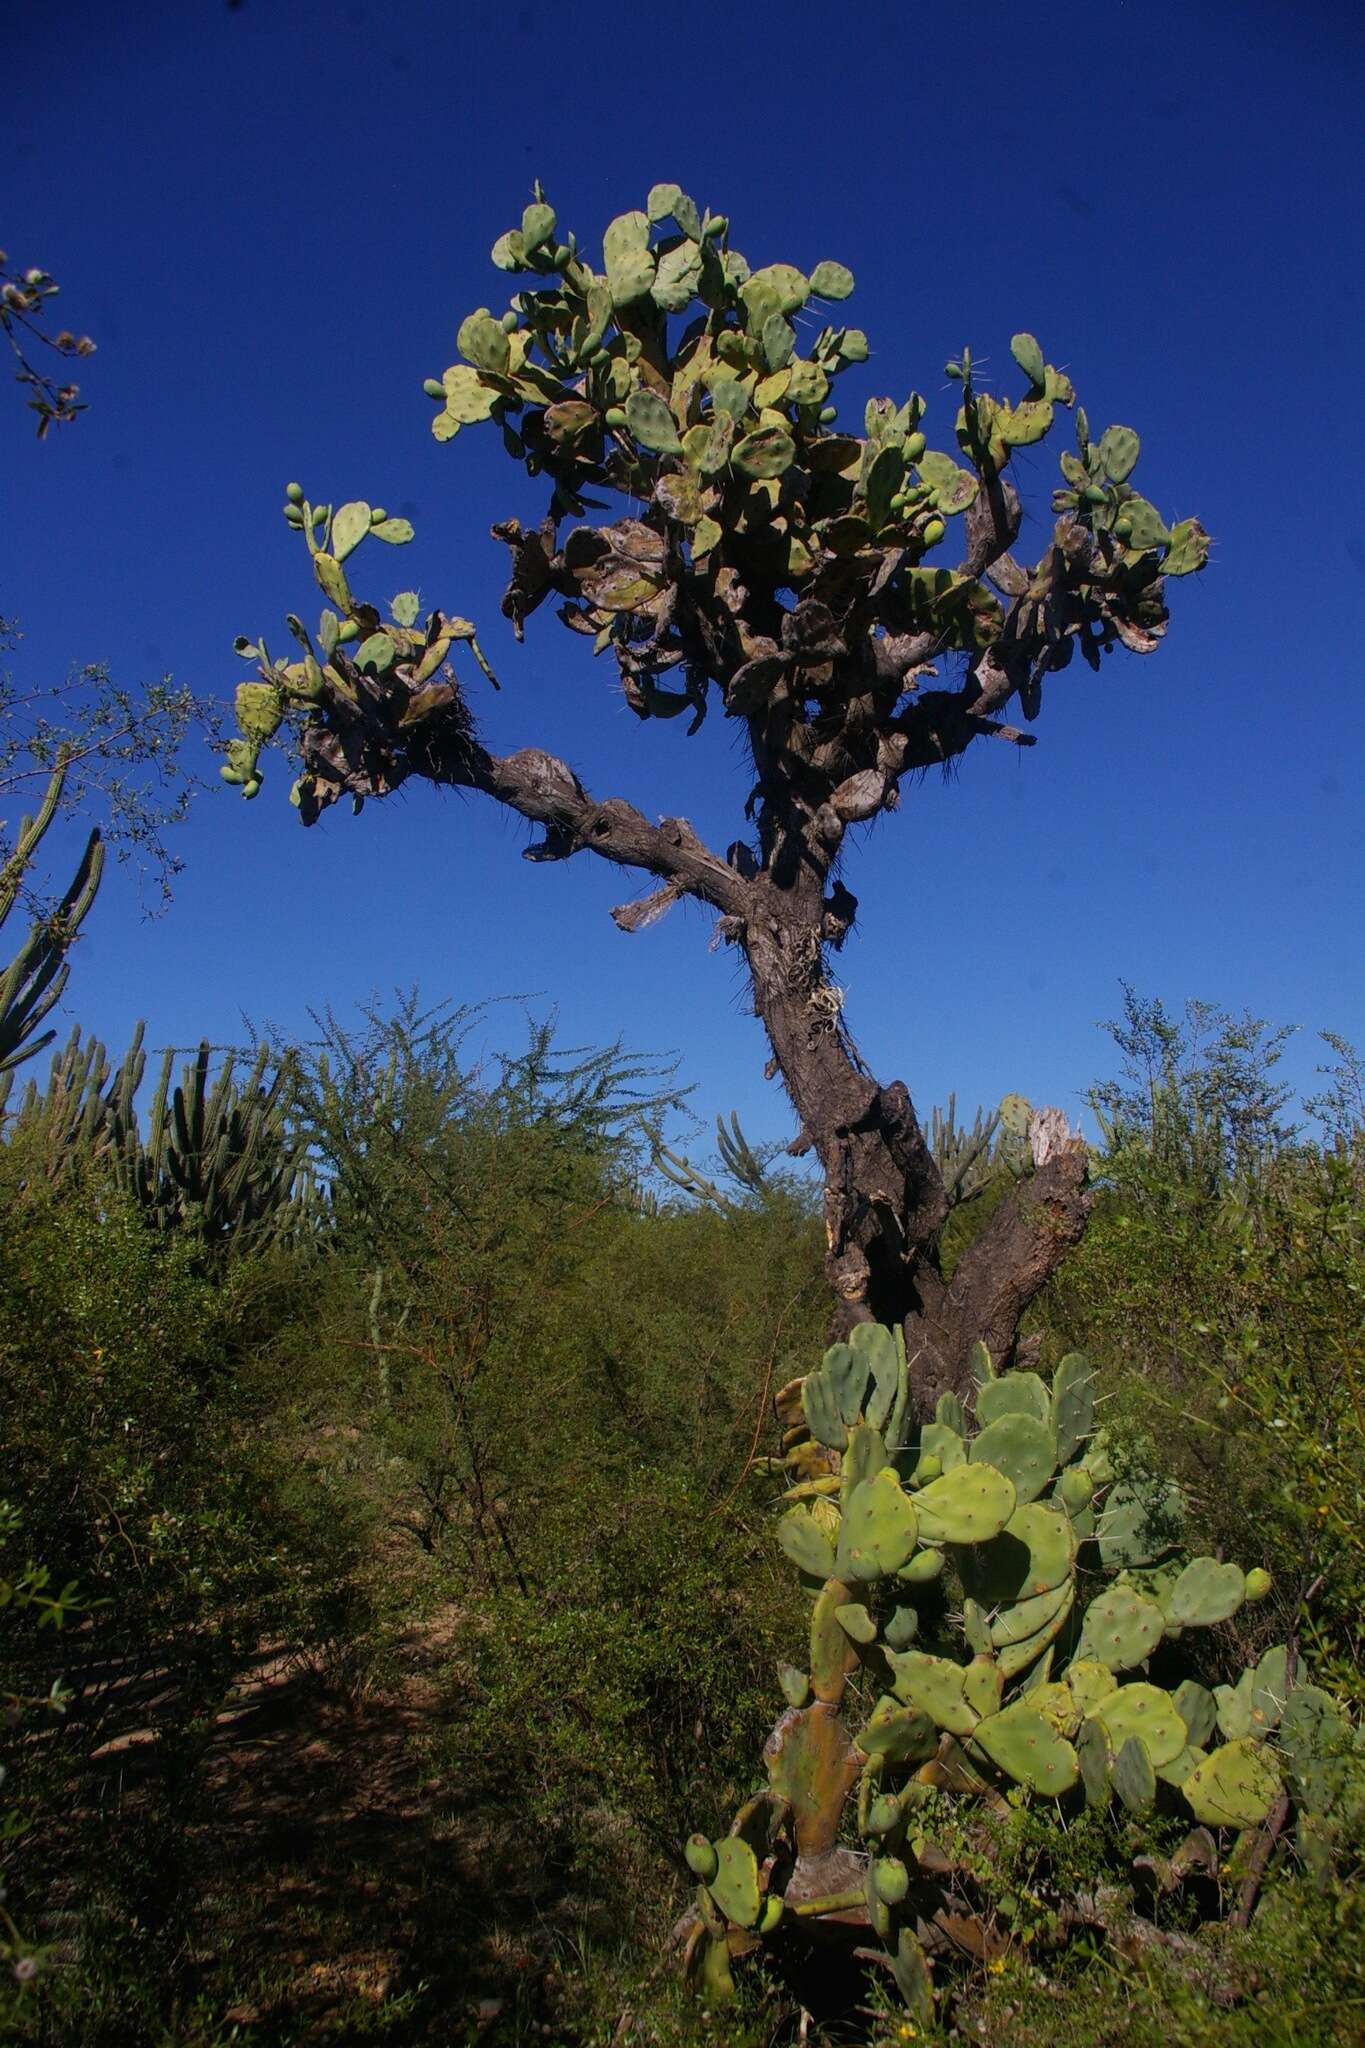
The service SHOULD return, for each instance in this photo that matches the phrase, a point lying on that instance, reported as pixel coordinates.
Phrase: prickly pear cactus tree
(843, 592)
(1003, 1609)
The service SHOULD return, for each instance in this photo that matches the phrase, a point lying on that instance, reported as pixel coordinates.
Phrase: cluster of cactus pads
(1009, 1535)
(701, 390)
(217, 1157)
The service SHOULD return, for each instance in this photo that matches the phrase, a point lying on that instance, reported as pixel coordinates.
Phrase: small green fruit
(1258, 1583)
(954, 370)
(701, 1856)
(914, 447)
(293, 515)
(828, 415)
(891, 1879)
(294, 493)
(1123, 529)
(616, 417)
(772, 1913)
(934, 531)
(349, 629)
(718, 225)
(929, 1466)
(434, 388)
(377, 515)
(510, 322)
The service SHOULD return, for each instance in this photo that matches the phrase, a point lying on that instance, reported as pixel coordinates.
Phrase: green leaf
(405, 607)
(395, 531)
(468, 398)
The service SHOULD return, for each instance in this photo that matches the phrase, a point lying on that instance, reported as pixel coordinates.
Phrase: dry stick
(761, 1416)
(1279, 1813)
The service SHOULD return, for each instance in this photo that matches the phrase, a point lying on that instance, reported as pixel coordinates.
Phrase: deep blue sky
(272, 218)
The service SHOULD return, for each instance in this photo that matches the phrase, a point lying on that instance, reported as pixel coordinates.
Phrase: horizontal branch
(545, 790)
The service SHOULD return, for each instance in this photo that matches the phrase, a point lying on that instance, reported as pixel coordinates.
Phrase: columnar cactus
(1048, 1588)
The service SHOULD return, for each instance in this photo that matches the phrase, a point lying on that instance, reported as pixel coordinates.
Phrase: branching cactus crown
(809, 576)
(1069, 1583)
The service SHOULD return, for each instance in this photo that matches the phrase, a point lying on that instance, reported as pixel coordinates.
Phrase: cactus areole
(849, 599)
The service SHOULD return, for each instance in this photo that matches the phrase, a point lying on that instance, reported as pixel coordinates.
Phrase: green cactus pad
(879, 1529)
(260, 710)
(832, 1655)
(1025, 1618)
(1092, 1753)
(1150, 1714)
(848, 1370)
(805, 1544)
(884, 1353)
(936, 1440)
(1233, 1706)
(1058, 1706)
(1139, 1523)
(1121, 1628)
(820, 1404)
(831, 281)
(767, 452)
(856, 1622)
(901, 1626)
(983, 1683)
(1023, 1745)
(1134, 1777)
(1073, 1404)
(1198, 1709)
(1180, 1767)
(332, 580)
(976, 1628)
(1021, 1447)
(1091, 1682)
(1075, 1490)
(1269, 1690)
(1017, 1657)
(1014, 1393)
(735, 1887)
(1206, 1592)
(1033, 1554)
(864, 1458)
(937, 1687)
(1029, 357)
(1234, 1787)
(967, 1506)
(948, 1412)
(1188, 550)
(901, 1734)
(922, 1569)
(652, 424)
(1118, 452)
(795, 1685)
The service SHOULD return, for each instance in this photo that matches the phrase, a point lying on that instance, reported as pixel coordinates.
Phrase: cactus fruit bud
(251, 787)
(929, 1467)
(349, 629)
(434, 388)
(718, 225)
(828, 415)
(510, 322)
(914, 447)
(1258, 1584)
(772, 1913)
(616, 417)
(377, 515)
(293, 515)
(934, 531)
(952, 369)
(1123, 529)
(294, 493)
(702, 1859)
(892, 1880)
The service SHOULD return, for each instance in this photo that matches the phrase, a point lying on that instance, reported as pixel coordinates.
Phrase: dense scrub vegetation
(382, 1605)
